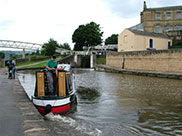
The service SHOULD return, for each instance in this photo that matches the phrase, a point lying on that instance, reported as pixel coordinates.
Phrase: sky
(37, 21)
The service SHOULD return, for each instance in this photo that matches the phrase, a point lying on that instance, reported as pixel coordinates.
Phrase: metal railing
(20, 45)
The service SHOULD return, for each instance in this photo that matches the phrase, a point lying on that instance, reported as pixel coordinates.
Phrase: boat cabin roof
(65, 67)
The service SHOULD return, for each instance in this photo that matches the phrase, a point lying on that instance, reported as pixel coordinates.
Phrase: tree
(113, 39)
(65, 46)
(37, 52)
(49, 48)
(87, 35)
(2, 55)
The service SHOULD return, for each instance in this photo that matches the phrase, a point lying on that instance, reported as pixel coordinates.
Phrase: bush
(101, 60)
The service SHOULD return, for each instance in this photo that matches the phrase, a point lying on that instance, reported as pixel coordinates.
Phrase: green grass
(101, 60)
(27, 63)
(41, 63)
(37, 65)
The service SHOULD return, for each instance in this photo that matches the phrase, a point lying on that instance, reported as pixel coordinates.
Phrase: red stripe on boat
(60, 109)
(54, 110)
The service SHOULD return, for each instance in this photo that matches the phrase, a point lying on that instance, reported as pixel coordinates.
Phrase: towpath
(18, 116)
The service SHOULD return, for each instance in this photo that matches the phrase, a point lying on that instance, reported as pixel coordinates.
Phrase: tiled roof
(149, 34)
(165, 8)
(138, 27)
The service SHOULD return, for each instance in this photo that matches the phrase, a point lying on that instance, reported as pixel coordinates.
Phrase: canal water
(112, 104)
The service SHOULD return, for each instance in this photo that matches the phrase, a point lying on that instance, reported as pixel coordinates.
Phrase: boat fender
(47, 108)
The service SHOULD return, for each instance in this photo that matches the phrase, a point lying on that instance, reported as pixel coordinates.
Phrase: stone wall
(159, 60)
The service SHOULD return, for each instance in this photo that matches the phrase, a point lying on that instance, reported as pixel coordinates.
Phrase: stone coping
(33, 122)
(107, 68)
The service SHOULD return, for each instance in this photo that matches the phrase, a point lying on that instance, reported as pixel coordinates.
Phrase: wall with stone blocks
(158, 60)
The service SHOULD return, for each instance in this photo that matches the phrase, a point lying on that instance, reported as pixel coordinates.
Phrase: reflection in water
(114, 104)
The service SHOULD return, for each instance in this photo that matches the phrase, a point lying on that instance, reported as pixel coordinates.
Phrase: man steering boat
(51, 66)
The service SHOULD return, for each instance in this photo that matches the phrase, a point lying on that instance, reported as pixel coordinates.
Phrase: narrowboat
(63, 98)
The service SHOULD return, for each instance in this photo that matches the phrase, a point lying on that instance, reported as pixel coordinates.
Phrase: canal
(111, 104)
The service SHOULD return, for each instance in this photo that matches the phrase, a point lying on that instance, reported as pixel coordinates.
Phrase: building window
(168, 16)
(169, 44)
(178, 15)
(150, 43)
(158, 16)
(158, 29)
(167, 28)
(178, 27)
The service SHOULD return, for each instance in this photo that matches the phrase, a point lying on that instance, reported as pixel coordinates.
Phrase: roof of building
(165, 8)
(149, 33)
(138, 27)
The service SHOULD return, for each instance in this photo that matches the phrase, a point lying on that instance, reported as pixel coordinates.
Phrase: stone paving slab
(18, 117)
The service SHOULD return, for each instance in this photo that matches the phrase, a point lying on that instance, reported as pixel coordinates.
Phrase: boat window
(69, 81)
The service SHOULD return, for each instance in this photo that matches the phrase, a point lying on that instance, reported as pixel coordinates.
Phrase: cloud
(39, 20)
(162, 3)
(4, 24)
(125, 9)
(132, 8)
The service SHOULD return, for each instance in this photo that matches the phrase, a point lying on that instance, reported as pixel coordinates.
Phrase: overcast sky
(39, 20)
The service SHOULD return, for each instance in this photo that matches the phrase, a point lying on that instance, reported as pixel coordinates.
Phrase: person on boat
(51, 66)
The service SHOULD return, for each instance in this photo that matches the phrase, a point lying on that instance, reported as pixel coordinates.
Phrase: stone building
(134, 40)
(166, 20)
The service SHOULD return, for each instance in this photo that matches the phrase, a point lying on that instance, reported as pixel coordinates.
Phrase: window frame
(168, 17)
(158, 16)
(179, 15)
(155, 28)
(169, 28)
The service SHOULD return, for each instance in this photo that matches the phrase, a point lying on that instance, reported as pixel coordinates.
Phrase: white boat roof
(65, 67)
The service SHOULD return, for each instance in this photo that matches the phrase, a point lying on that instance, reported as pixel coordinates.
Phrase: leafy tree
(113, 39)
(2, 55)
(65, 46)
(13, 56)
(87, 35)
(49, 48)
(37, 52)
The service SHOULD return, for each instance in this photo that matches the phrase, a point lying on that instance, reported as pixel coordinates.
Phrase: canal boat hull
(63, 97)
(54, 104)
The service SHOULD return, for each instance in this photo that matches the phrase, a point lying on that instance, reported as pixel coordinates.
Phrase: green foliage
(101, 60)
(33, 56)
(37, 52)
(49, 48)
(2, 55)
(176, 47)
(13, 56)
(65, 46)
(87, 35)
(113, 39)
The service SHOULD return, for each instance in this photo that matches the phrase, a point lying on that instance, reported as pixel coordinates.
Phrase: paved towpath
(10, 116)
(18, 116)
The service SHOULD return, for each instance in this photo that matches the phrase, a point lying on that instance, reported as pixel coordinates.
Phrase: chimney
(144, 5)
